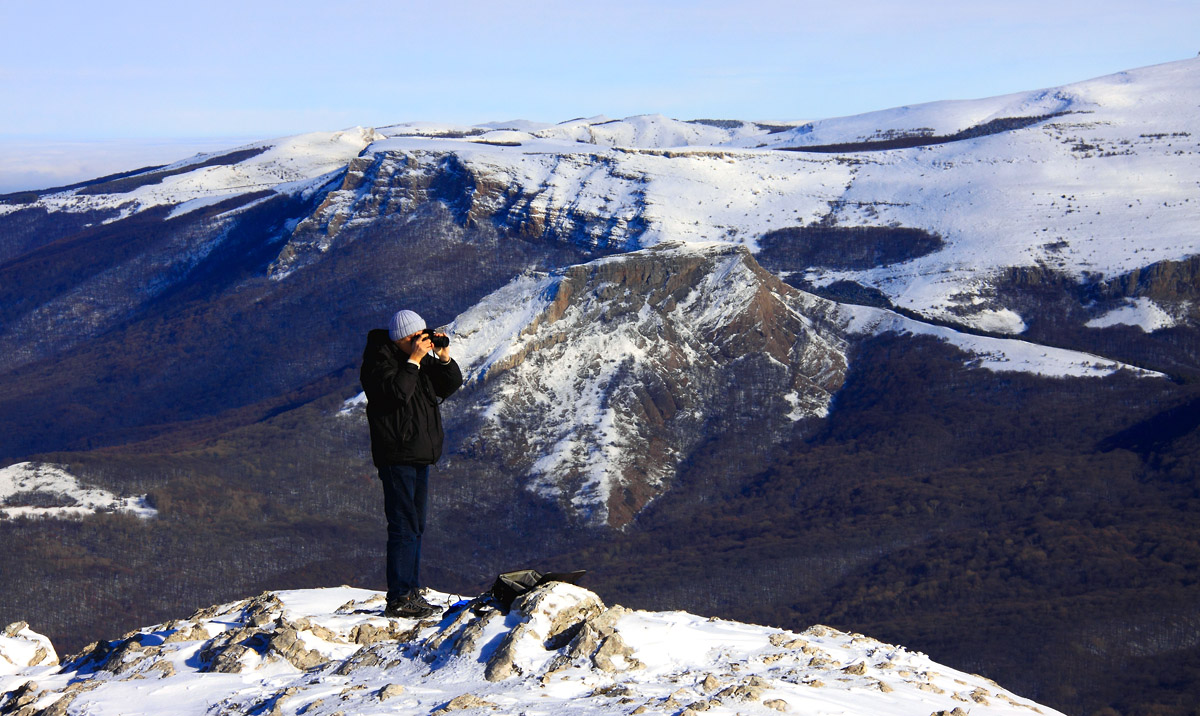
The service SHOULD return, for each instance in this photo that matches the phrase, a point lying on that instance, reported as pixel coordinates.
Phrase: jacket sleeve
(388, 379)
(446, 377)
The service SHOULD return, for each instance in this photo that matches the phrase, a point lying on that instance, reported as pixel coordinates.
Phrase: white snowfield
(560, 650)
(1139, 312)
(54, 484)
(995, 354)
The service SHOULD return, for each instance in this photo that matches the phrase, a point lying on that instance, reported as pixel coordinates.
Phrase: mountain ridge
(627, 183)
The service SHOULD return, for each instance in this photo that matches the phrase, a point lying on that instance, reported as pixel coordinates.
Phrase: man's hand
(421, 345)
(443, 353)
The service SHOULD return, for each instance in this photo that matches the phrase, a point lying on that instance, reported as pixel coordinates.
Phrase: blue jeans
(404, 495)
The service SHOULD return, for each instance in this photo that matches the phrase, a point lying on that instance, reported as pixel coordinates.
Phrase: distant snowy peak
(1135, 95)
(649, 131)
(560, 649)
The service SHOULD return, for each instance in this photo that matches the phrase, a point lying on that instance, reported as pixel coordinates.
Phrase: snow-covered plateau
(1092, 180)
(559, 650)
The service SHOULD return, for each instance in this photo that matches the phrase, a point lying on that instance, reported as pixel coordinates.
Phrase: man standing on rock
(405, 379)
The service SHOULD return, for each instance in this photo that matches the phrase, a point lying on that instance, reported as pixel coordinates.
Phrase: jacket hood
(376, 339)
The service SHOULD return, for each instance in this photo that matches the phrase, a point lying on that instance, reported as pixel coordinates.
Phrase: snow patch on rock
(22, 648)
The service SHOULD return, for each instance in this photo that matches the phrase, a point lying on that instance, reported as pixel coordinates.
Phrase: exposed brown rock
(290, 646)
(390, 691)
(463, 702)
(228, 660)
(15, 628)
(21, 696)
(368, 634)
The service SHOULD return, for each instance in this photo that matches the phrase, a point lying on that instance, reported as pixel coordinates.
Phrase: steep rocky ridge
(591, 387)
(401, 182)
(606, 374)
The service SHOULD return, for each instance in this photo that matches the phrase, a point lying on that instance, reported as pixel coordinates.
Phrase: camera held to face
(436, 340)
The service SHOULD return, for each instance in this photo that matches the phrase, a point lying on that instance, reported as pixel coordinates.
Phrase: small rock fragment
(390, 691)
(463, 702)
(166, 667)
(21, 696)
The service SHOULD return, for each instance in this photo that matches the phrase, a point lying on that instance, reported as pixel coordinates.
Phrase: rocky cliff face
(395, 185)
(598, 380)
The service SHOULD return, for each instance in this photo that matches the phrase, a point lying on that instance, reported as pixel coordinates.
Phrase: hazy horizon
(131, 83)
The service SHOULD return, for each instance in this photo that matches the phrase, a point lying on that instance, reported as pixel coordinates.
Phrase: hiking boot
(419, 597)
(410, 606)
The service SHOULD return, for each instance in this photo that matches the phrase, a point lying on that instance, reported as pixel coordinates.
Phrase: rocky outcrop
(22, 647)
(614, 370)
(559, 648)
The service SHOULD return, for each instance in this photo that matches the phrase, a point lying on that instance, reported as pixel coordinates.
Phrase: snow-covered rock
(560, 649)
(22, 648)
(607, 372)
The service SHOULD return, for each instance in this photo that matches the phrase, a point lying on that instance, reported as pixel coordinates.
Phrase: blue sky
(128, 80)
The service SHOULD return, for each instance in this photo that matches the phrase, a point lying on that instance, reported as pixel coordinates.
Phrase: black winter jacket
(402, 402)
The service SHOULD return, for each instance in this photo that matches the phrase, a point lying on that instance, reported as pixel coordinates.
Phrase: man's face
(407, 343)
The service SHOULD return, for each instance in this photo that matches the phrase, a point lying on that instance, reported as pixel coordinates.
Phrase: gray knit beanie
(404, 324)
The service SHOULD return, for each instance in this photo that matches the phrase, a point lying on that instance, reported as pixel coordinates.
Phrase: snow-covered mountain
(905, 368)
(560, 649)
(1092, 180)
